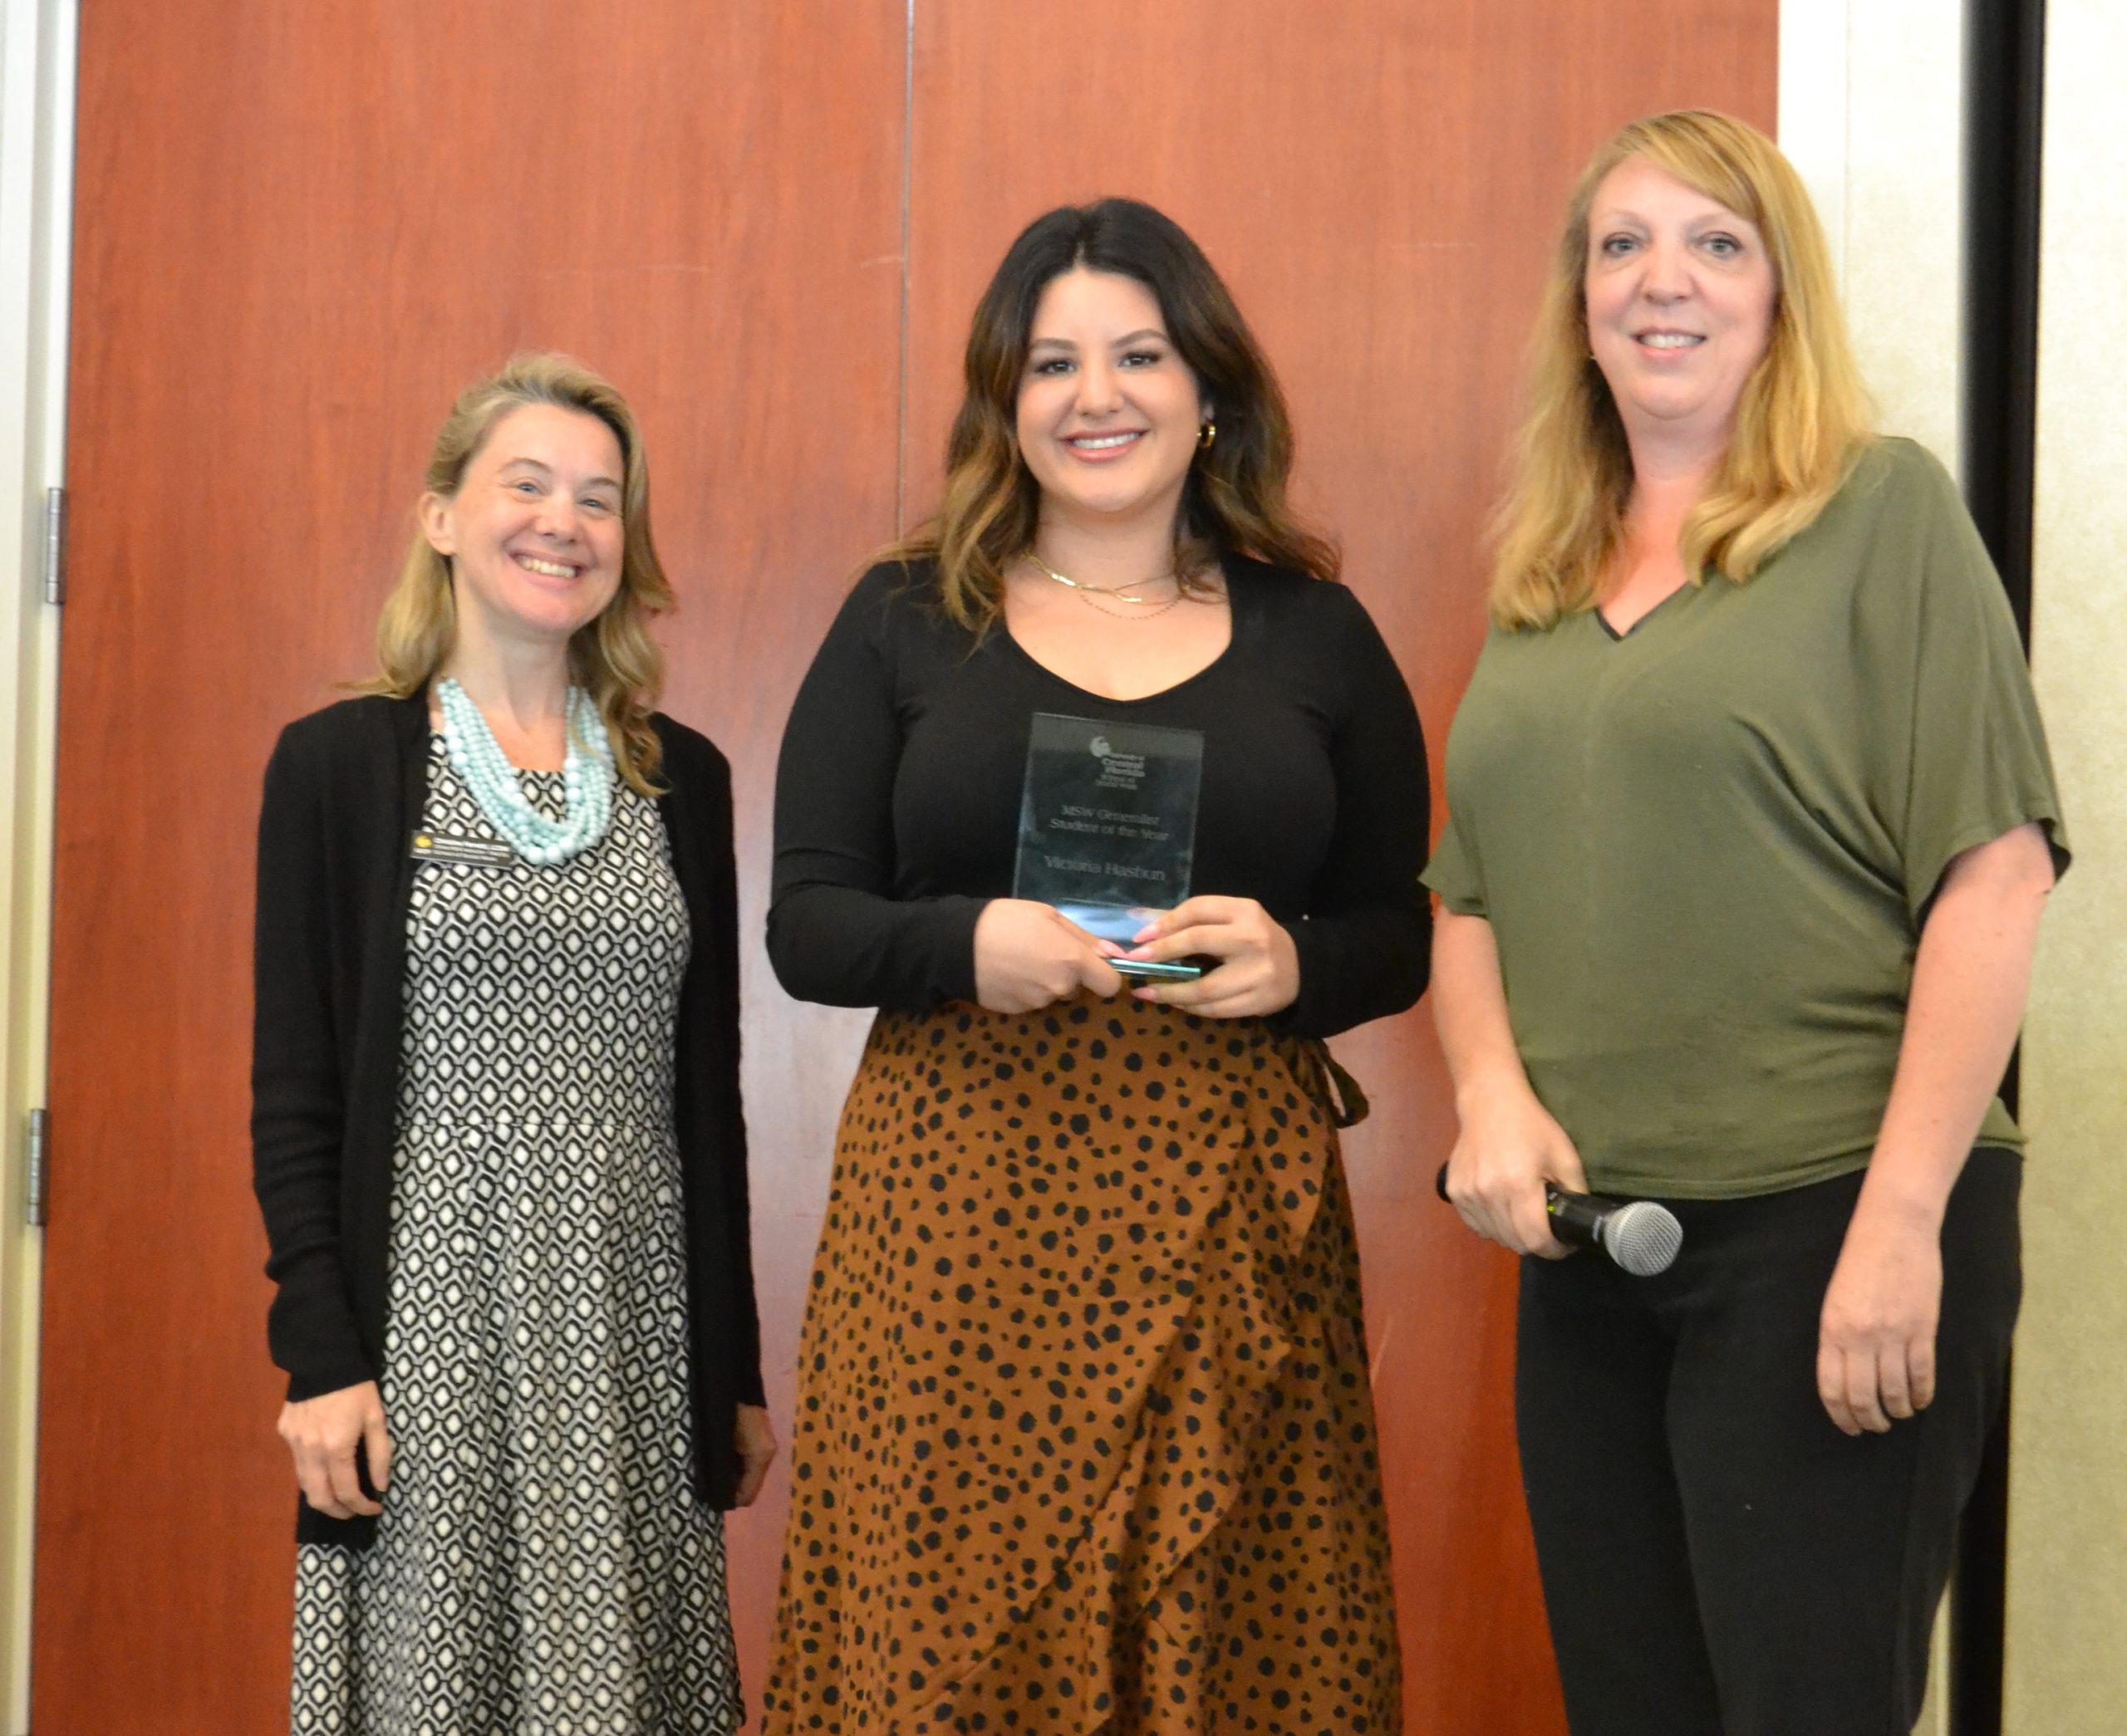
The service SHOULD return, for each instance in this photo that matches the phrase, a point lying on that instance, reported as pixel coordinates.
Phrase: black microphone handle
(1577, 1218)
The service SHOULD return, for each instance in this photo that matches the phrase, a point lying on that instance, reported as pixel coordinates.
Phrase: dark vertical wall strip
(2005, 73)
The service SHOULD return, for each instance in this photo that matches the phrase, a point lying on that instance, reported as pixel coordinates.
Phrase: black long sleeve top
(343, 796)
(897, 795)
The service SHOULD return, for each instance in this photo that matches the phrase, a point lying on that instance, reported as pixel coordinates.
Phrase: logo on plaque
(1107, 820)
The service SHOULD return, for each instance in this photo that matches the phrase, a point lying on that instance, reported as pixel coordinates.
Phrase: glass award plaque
(1107, 821)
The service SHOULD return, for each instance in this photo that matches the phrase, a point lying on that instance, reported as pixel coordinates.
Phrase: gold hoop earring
(1206, 435)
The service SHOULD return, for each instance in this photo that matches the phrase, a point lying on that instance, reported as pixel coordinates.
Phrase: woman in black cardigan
(496, 1124)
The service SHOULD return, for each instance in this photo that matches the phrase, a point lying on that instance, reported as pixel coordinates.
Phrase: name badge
(433, 846)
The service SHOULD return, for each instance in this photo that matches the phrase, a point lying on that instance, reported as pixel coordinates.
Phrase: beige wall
(1871, 115)
(2067, 1639)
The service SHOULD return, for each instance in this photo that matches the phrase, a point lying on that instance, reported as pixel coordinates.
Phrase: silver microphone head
(1643, 1237)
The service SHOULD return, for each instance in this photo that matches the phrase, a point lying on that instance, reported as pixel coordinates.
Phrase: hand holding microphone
(1642, 1236)
(1520, 1184)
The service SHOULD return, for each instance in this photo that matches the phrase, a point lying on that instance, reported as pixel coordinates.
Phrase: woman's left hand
(1876, 1336)
(1259, 968)
(754, 1437)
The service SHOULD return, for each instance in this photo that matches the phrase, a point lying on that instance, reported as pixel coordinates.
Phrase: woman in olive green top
(1750, 824)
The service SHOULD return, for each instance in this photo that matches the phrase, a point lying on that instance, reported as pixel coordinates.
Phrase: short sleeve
(1964, 758)
(1456, 871)
(1452, 872)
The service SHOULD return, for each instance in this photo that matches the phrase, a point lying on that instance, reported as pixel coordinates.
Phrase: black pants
(1717, 1559)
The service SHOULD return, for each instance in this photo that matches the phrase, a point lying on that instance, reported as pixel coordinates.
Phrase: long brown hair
(1234, 498)
(1803, 418)
(612, 657)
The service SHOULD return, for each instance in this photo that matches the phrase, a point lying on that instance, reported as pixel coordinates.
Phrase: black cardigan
(343, 793)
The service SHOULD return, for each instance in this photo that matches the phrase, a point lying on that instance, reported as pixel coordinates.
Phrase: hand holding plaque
(1108, 826)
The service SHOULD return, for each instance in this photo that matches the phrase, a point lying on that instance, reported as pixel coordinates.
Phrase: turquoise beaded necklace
(587, 778)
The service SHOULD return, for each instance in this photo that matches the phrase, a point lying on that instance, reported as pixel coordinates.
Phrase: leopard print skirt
(1083, 1439)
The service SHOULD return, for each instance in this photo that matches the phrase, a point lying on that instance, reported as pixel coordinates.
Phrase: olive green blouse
(1706, 847)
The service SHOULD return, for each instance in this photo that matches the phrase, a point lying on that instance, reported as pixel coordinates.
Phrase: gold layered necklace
(1121, 593)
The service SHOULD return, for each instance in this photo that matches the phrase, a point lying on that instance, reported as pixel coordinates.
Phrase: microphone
(1641, 1236)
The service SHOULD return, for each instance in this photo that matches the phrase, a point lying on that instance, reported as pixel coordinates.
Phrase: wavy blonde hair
(1234, 498)
(612, 657)
(1803, 418)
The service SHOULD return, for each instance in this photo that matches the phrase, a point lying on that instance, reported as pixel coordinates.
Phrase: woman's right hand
(1508, 1148)
(1027, 957)
(322, 1433)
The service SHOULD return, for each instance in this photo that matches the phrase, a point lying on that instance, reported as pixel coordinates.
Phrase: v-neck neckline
(1618, 637)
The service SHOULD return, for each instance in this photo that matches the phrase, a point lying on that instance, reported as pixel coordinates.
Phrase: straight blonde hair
(613, 657)
(1803, 418)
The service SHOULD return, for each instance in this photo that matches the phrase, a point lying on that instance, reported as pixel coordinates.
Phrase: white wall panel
(2066, 1665)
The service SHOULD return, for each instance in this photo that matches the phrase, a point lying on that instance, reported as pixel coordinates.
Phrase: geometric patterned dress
(542, 1565)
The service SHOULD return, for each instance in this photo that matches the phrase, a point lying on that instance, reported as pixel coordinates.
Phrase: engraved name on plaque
(1107, 821)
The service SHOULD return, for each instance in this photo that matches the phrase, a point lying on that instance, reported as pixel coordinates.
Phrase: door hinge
(37, 1146)
(55, 545)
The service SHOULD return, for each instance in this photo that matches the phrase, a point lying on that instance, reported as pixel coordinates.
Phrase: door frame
(37, 41)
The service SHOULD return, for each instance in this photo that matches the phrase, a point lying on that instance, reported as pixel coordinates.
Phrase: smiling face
(534, 532)
(1680, 294)
(1108, 412)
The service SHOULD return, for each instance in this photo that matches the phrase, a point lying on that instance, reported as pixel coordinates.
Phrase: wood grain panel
(1380, 182)
(299, 230)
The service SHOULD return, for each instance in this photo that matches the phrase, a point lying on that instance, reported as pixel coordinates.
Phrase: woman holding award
(1750, 824)
(1083, 1437)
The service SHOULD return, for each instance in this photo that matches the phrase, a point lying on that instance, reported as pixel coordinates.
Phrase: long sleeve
(836, 932)
(299, 1106)
(724, 923)
(1365, 947)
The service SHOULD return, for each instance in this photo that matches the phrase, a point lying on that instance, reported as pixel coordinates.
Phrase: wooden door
(299, 230)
